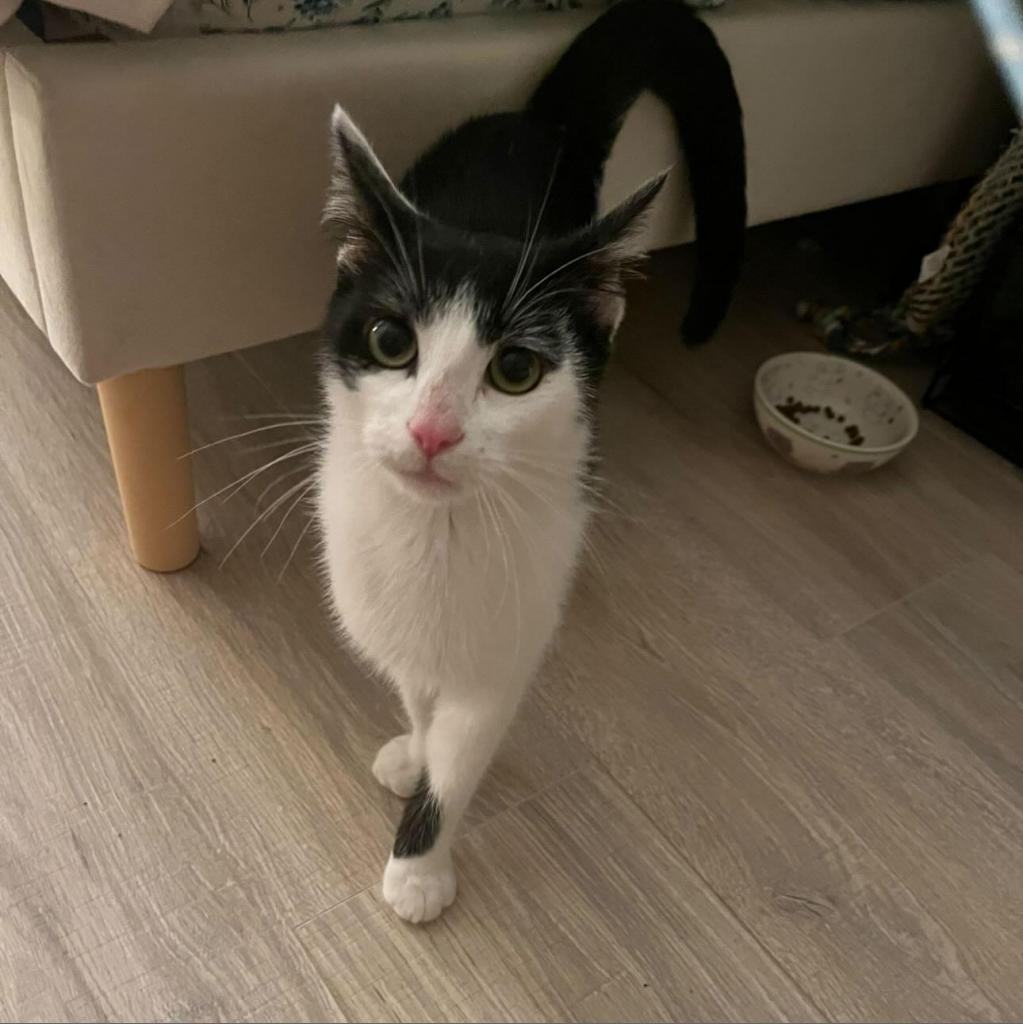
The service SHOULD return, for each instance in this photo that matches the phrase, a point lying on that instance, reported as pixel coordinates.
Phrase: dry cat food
(792, 409)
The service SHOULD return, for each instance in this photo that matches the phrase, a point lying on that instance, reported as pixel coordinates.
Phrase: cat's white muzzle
(425, 480)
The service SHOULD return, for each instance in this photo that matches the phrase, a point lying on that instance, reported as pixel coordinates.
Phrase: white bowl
(831, 415)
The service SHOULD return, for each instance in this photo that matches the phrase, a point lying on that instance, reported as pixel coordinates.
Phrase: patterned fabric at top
(199, 17)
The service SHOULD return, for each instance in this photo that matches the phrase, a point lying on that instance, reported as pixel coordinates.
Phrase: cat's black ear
(363, 203)
(614, 235)
(598, 254)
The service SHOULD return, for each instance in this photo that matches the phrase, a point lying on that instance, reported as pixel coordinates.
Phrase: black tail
(661, 46)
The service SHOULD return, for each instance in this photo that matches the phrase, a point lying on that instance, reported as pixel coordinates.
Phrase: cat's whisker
(389, 252)
(555, 481)
(569, 471)
(531, 230)
(273, 415)
(541, 457)
(419, 236)
(557, 489)
(563, 514)
(543, 464)
(500, 535)
(243, 481)
(240, 483)
(309, 484)
(500, 496)
(419, 255)
(545, 494)
(486, 533)
(247, 433)
(286, 475)
(521, 261)
(268, 511)
(405, 264)
(518, 513)
(510, 505)
(270, 445)
(590, 547)
(522, 312)
(554, 499)
(589, 484)
(399, 238)
(295, 547)
(503, 547)
(528, 248)
(557, 270)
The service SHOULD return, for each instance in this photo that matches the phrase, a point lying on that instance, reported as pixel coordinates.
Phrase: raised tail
(662, 46)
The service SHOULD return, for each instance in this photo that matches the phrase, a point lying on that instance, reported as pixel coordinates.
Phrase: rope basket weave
(991, 208)
(927, 306)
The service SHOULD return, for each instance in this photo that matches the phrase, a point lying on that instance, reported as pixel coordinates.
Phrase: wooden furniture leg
(147, 429)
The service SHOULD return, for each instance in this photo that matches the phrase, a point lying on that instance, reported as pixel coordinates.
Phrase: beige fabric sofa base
(161, 199)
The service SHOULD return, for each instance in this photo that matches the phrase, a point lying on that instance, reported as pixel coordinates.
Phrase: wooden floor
(771, 772)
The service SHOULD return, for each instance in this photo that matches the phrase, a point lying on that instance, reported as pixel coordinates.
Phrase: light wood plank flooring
(772, 770)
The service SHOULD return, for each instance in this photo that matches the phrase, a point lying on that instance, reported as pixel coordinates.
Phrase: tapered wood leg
(147, 429)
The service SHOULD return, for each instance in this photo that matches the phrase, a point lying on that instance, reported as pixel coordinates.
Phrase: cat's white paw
(396, 769)
(419, 888)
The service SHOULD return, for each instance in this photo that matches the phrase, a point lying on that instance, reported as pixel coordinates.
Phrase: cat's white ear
(362, 199)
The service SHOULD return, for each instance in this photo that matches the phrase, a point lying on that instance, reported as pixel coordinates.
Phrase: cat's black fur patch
(660, 45)
(420, 822)
(479, 191)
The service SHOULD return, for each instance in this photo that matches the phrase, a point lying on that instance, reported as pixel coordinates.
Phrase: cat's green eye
(515, 370)
(391, 343)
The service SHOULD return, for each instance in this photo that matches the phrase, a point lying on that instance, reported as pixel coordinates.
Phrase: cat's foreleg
(464, 733)
(400, 762)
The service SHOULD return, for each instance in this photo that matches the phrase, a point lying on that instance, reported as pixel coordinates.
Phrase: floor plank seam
(909, 595)
(479, 826)
(722, 902)
(296, 928)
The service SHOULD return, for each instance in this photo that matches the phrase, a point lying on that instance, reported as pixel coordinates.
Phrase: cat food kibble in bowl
(831, 415)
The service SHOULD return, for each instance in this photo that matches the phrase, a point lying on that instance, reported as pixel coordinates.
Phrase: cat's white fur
(453, 594)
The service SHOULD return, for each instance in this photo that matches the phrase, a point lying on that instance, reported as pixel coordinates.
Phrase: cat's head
(455, 358)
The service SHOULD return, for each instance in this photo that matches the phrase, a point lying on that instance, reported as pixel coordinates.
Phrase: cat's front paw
(396, 769)
(419, 888)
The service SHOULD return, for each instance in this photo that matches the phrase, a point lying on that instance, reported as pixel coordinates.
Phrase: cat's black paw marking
(420, 822)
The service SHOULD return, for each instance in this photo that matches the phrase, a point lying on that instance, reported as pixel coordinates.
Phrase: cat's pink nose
(435, 435)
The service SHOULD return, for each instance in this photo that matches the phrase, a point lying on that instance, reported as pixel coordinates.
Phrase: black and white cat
(474, 312)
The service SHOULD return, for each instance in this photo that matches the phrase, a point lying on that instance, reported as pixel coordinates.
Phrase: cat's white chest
(435, 596)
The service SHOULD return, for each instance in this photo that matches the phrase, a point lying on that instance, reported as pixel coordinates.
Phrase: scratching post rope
(927, 306)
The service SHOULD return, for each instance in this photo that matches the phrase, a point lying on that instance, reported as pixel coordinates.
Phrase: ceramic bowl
(831, 415)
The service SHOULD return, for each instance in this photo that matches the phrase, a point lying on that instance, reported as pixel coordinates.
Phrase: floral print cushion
(283, 15)
(197, 17)
(262, 15)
